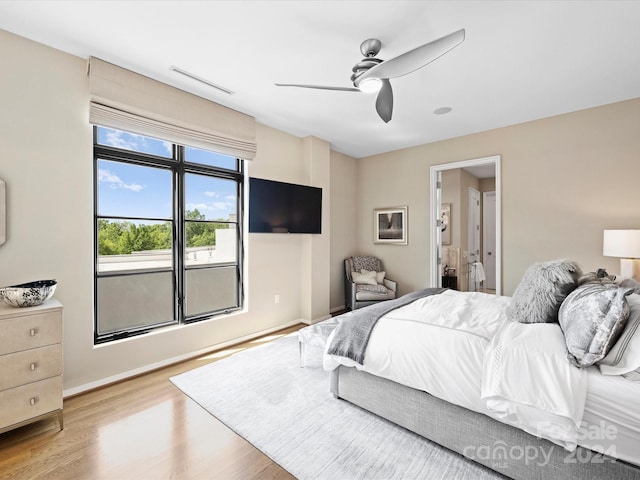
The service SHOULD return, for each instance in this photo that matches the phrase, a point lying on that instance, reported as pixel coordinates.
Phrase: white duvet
(528, 382)
(461, 347)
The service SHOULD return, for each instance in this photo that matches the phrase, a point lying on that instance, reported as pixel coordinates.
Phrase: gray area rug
(288, 413)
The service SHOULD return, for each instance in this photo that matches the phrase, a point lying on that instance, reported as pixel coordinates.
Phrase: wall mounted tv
(278, 207)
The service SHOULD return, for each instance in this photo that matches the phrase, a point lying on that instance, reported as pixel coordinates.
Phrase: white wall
(46, 160)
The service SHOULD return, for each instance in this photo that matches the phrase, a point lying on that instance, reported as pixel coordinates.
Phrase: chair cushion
(372, 293)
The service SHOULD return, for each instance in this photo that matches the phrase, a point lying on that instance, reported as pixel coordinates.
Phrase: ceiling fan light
(370, 85)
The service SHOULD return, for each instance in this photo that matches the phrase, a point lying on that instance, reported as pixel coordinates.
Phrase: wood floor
(141, 428)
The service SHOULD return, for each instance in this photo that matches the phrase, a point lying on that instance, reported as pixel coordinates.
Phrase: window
(168, 235)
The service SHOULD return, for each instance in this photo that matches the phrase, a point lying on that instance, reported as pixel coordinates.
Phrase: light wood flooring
(141, 428)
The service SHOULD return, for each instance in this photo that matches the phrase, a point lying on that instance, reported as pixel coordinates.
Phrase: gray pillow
(624, 356)
(630, 283)
(592, 319)
(542, 289)
(601, 276)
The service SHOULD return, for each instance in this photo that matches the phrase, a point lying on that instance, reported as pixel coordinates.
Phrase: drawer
(31, 400)
(30, 366)
(30, 331)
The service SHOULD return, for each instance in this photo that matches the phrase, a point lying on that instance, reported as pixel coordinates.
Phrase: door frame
(473, 235)
(485, 237)
(435, 204)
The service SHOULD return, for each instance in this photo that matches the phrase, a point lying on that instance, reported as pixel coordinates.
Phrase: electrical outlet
(276, 299)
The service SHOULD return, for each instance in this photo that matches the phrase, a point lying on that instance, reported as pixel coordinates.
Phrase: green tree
(198, 232)
(124, 237)
(110, 237)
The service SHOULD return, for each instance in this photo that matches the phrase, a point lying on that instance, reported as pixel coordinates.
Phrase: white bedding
(449, 330)
(528, 382)
(438, 344)
(611, 420)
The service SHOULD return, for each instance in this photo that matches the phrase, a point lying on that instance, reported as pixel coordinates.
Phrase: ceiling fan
(372, 74)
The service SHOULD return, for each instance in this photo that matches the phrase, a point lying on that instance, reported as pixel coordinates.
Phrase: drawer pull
(33, 366)
(33, 400)
(33, 332)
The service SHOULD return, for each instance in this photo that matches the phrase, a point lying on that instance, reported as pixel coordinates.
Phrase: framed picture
(390, 225)
(445, 224)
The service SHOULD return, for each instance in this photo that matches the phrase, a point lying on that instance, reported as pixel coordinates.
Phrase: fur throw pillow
(542, 290)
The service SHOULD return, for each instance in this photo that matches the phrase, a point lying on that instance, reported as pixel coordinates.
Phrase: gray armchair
(359, 295)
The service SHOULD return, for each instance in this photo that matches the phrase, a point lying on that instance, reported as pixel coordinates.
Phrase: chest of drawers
(30, 364)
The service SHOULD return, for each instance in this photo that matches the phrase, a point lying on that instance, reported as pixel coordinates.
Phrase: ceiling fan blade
(319, 87)
(384, 102)
(414, 59)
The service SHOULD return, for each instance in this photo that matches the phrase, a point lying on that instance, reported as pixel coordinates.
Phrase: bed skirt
(498, 446)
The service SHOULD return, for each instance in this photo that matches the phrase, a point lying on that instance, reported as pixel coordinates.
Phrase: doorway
(481, 167)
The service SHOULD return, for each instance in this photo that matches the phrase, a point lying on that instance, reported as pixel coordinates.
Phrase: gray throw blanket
(352, 336)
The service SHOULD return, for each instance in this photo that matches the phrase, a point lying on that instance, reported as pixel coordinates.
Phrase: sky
(135, 191)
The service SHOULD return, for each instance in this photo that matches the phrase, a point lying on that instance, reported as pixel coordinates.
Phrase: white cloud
(211, 194)
(105, 176)
(198, 206)
(133, 141)
(117, 139)
(210, 207)
(169, 147)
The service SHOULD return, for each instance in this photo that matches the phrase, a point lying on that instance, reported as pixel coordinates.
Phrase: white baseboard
(69, 392)
(316, 320)
(338, 309)
(324, 317)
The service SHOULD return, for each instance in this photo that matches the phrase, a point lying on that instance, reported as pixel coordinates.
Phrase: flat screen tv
(278, 207)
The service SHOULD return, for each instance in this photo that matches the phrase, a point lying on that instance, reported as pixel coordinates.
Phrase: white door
(473, 234)
(489, 238)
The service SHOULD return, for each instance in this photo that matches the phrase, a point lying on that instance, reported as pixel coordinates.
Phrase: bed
(455, 368)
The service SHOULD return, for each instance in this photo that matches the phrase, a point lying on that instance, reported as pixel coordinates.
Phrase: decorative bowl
(28, 294)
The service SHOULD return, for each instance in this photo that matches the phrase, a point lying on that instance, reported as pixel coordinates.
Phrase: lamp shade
(621, 243)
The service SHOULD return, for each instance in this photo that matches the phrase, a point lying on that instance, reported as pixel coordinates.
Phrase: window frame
(179, 168)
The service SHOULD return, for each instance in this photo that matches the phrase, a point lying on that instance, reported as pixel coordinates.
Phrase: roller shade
(125, 100)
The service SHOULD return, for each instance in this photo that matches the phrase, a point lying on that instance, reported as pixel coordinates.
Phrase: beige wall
(344, 228)
(455, 190)
(488, 184)
(46, 160)
(564, 180)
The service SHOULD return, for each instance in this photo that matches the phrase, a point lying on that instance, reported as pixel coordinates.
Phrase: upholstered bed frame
(498, 446)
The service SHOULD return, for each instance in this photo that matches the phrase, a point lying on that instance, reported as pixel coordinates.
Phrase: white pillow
(368, 278)
(379, 275)
(624, 356)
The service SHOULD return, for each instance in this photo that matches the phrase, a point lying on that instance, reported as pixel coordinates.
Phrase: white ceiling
(520, 61)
